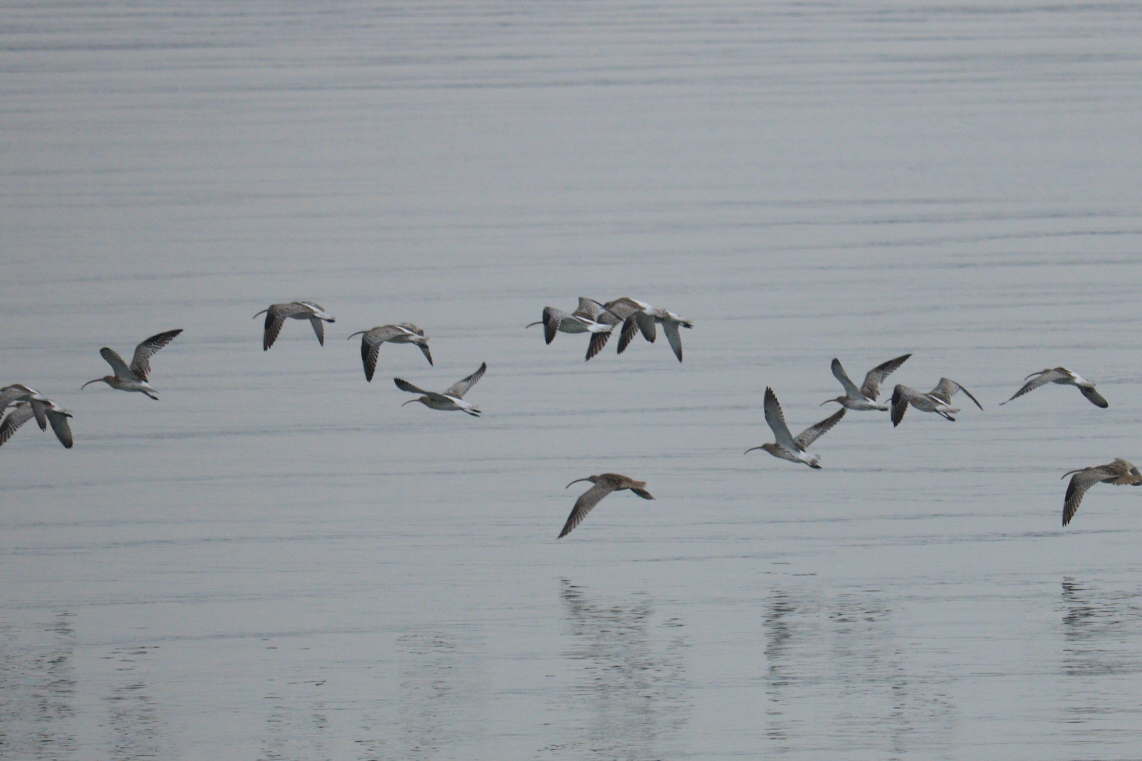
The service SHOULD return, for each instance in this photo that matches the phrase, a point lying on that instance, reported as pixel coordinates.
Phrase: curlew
(938, 400)
(18, 392)
(1062, 376)
(371, 340)
(639, 316)
(602, 486)
(134, 378)
(276, 315)
(787, 447)
(23, 412)
(1118, 472)
(583, 320)
(453, 397)
(864, 398)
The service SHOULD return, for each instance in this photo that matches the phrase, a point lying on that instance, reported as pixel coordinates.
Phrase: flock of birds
(599, 320)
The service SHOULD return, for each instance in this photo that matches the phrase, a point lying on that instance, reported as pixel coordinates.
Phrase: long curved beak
(577, 480)
(261, 312)
(822, 404)
(359, 332)
(533, 323)
(85, 385)
(750, 450)
(410, 401)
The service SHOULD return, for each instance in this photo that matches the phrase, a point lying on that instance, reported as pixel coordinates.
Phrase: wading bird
(582, 320)
(451, 399)
(276, 316)
(864, 398)
(1062, 376)
(603, 485)
(938, 400)
(23, 412)
(371, 340)
(787, 447)
(134, 378)
(1118, 472)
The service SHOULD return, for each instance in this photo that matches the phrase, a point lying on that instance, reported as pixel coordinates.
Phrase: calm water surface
(277, 561)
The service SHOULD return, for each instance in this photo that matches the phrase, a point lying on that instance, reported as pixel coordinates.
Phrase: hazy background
(277, 561)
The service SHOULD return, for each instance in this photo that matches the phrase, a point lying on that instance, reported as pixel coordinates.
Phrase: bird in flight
(1118, 472)
(134, 377)
(371, 340)
(787, 447)
(864, 398)
(451, 399)
(938, 400)
(602, 486)
(276, 315)
(1062, 376)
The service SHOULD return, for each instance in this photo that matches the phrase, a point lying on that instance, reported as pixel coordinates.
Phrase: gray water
(278, 561)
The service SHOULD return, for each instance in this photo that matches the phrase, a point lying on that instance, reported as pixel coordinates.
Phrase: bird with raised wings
(938, 400)
(134, 377)
(404, 333)
(864, 398)
(638, 316)
(787, 447)
(1062, 376)
(451, 399)
(276, 315)
(602, 485)
(18, 392)
(1118, 472)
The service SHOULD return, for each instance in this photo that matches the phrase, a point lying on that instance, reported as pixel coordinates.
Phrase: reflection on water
(136, 723)
(37, 691)
(630, 697)
(844, 653)
(442, 693)
(1101, 628)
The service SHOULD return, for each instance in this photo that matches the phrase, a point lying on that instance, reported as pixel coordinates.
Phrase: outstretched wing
(1038, 379)
(424, 350)
(776, 421)
(275, 317)
(404, 385)
(839, 373)
(947, 388)
(460, 387)
(1080, 483)
(902, 396)
(586, 502)
(118, 366)
(598, 341)
(670, 328)
(629, 331)
(61, 427)
(19, 415)
(318, 328)
(871, 386)
(812, 433)
(1094, 397)
(141, 362)
(646, 325)
(552, 318)
(371, 341)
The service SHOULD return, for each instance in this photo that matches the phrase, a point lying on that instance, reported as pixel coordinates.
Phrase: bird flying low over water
(18, 392)
(1118, 472)
(1062, 376)
(864, 398)
(371, 340)
(134, 378)
(602, 486)
(583, 320)
(787, 447)
(23, 412)
(938, 400)
(638, 316)
(452, 398)
(276, 315)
